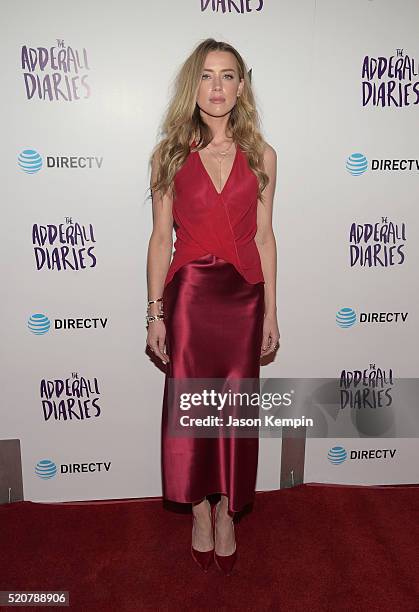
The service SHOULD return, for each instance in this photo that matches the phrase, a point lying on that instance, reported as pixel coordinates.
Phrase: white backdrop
(306, 60)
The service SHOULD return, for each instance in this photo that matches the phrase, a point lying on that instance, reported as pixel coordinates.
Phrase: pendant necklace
(223, 154)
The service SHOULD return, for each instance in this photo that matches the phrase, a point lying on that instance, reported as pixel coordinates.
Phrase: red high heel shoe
(224, 562)
(202, 558)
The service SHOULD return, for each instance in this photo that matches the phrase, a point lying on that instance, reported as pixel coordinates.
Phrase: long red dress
(213, 311)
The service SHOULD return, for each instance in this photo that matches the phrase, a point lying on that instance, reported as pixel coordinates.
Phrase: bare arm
(266, 243)
(158, 261)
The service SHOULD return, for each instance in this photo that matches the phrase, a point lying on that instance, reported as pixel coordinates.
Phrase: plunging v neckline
(229, 176)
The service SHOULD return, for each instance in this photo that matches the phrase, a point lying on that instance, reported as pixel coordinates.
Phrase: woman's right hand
(156, 336)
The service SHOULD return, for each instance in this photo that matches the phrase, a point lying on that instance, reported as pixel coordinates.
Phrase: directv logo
(337, 455)
(45, 469)
(346, 317)
(39, 324)
(29, 161)
(356, 164)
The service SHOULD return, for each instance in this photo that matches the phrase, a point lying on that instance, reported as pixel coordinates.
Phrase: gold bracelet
(154, 318)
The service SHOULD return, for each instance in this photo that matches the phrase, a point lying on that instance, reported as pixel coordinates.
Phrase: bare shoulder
(165, 198)
(269, 154)
(155, 163)
(270, 161)
(155, 158)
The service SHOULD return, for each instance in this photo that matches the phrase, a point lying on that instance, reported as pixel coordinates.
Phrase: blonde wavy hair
(182, 121)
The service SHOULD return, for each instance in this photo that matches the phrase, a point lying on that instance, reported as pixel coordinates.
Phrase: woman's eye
(230, 76)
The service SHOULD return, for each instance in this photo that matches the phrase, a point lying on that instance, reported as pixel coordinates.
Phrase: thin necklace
(224, 153)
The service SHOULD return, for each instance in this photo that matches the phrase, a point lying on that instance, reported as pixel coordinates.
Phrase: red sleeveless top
(222, 224)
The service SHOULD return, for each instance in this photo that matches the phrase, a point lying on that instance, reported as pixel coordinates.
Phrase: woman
(212, 309)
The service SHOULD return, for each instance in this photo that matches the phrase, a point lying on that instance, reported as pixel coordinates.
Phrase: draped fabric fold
(221, 224)
(214, 329)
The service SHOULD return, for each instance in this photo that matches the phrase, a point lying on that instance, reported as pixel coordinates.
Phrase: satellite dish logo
(346, 317)
(39, 324)
(45, 469)
(337, 455)
(29, 161)
(356, 164)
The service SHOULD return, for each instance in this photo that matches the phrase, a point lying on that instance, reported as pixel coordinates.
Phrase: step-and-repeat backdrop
(84, 89)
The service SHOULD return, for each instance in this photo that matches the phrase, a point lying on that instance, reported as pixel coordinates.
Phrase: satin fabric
(222, 224)
(214, 329)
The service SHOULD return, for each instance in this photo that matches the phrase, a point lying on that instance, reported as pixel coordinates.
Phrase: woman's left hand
(271, 335)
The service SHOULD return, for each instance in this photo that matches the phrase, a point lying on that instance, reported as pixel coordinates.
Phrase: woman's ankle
(202, 508)
(222, 510)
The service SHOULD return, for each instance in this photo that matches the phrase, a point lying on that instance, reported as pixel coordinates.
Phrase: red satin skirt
(214, 329)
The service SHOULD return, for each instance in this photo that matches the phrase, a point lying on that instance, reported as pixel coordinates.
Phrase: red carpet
(310, 548)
